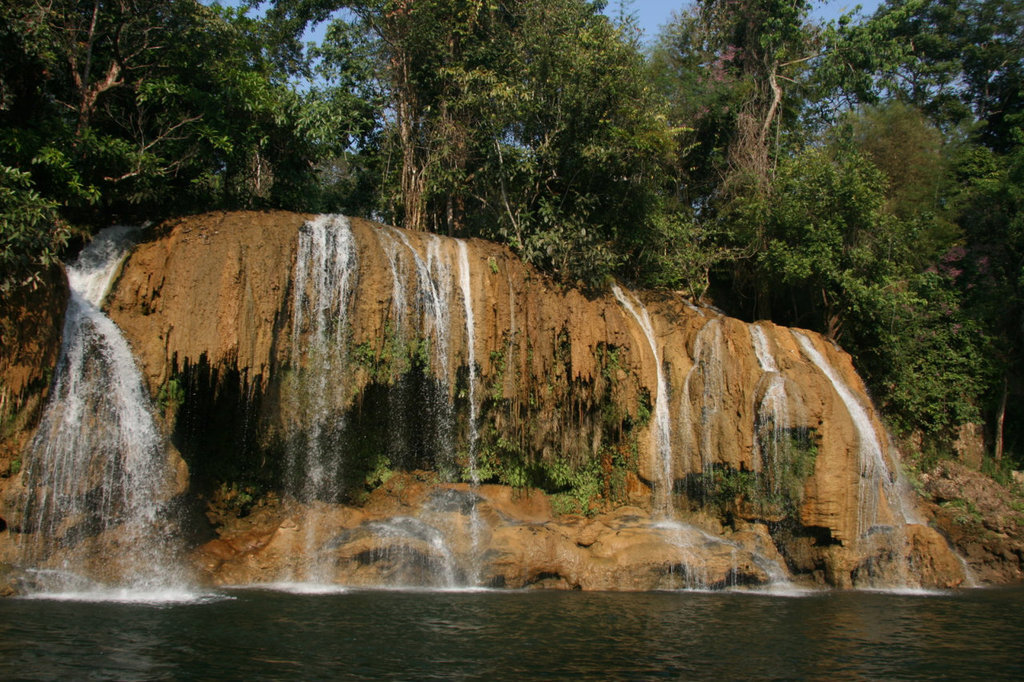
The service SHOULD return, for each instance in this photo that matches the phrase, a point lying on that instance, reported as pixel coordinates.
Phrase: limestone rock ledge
(765, 439)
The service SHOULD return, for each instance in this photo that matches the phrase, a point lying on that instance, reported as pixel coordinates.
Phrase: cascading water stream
(324, 280)
(472, 433)
(662, 450)
(681, 535)
(325, 273)
(467, 301)
(432, 306)
(97, 471)
(888, 535)
(772, 420)
(439, 273)
(707, 363)
(765, 359)
(688, 539)
(698, 435)
(875, 476)
(395, 532)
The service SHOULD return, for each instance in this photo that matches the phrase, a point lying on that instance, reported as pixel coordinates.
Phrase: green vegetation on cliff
(864, 178)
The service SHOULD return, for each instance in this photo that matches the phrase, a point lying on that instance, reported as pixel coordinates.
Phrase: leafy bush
(32, 236)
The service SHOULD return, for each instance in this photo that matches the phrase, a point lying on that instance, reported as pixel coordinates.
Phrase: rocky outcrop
(414, 532)
(308, 368)
(983, 519)
(31, 318)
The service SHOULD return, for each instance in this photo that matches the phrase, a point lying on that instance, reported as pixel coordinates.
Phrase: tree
(726, 66)
(992, 264)
(912, 155)
(32, 235)
(962, 63)
(525, 121)
(841, 261)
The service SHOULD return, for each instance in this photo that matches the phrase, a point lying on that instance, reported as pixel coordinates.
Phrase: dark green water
(258, 634)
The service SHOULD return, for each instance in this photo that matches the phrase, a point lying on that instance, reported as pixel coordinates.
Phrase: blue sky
(652, 14)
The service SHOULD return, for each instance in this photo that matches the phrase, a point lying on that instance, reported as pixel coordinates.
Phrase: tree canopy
(862, 178)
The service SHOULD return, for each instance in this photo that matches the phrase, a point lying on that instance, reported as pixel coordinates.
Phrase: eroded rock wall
(564, 380)
(31, 320)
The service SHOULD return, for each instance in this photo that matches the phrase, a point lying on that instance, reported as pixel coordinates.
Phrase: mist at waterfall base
(262, 634)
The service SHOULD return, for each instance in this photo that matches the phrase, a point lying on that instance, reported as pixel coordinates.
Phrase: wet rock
(565, 385)
(980, 518)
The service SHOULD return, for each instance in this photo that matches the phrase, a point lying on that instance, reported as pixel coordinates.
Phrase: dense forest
(863, 178)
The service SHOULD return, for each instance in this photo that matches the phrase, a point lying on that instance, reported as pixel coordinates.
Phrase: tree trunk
(1000, 420)
(411, 183)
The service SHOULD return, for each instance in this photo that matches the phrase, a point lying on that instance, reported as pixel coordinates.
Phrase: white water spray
(467, 300)
(324, 279)
(875, 476)
(662, 446)
(97, 470)
(439, 271)
(765, 359)
(772, 419)
(707, 362)
(472, 433)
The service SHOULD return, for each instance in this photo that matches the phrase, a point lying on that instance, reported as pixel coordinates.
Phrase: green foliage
(387, 361)
(237, 499)
(911, 154)
(380, 471)
(777, 490)
(644, 408)
(828, 244)
(497, 379)
(530, 124)
(964, 511)
(501, 460)
(933, 359)
(32, 235)
(171, 394)
(129, 111)
(584, 487)
(681, 253)
(962, 63)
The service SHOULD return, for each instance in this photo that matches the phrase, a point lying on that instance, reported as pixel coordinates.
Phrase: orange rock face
(755, 450)
(30, 330)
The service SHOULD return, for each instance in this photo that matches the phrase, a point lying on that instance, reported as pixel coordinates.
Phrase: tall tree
(727, 66)
(961, 62)
(525, 121)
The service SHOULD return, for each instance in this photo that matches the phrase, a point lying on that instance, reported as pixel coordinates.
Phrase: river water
(279, 634)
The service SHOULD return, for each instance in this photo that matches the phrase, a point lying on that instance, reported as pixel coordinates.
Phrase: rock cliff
(357, 403)
(30, 331)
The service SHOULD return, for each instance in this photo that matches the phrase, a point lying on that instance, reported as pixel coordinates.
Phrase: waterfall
(707, 362)
(389, 244)
(408, 543)
(467, 301)
(324, 279)
(431, 305)
(661, 451)
(875, 476)
(707, 367)
(439, 272)
(97, 471)
(772, 417)
(765, 359)
(472, 434)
